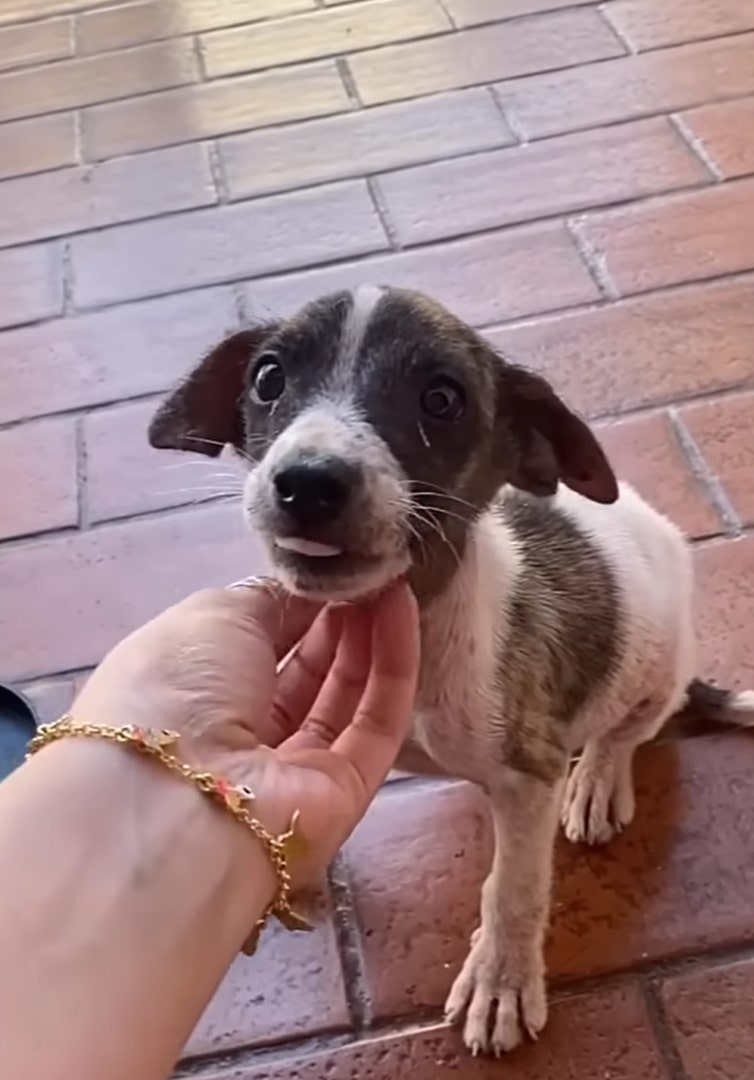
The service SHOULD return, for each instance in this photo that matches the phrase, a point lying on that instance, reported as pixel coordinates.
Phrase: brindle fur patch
(564, 636)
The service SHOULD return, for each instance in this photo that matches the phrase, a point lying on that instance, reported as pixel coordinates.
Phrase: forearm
(125, 895)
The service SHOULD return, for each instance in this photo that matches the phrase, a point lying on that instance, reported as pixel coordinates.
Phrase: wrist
(162, 834)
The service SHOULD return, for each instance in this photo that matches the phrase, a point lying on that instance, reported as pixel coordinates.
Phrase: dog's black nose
(315, 491)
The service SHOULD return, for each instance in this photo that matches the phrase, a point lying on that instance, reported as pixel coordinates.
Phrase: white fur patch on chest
(463, 632)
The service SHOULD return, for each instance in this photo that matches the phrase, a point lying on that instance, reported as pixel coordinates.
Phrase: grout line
(380, 206)
(560, 67)
(349, 82)
(514, 322)
(73, 27)
(233, 1064)
(200, 70)
(214, 1067)
(78, 139)
(239, 297)
(709, 482)
(82, 474)
(662, 1030)
(217, 172)
(696, 146)
(617, 33)
(560, 215)
(349, 946)
(453, 25)
(594, 260)
(300, 121)
(510, 120)
(68, 278)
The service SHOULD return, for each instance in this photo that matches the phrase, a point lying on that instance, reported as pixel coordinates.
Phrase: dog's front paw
(502, 1001)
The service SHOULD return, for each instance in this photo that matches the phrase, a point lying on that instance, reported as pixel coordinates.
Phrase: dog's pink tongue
(301, 546)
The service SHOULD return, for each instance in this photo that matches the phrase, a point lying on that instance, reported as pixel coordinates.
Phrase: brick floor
(574, 178)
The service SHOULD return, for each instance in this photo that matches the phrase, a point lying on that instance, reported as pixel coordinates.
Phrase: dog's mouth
(309, 549)
(330, 570)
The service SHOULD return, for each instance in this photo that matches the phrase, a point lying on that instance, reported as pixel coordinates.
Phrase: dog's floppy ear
(544, 442)
(204, 413)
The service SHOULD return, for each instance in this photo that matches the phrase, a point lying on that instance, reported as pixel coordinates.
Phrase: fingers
(382, 718)
(340, 692)
(300, 679)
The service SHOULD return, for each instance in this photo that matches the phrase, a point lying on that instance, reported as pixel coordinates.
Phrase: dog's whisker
(439, 493)
(437, 528)
(445, 513)
(212, 491)
(221, 445)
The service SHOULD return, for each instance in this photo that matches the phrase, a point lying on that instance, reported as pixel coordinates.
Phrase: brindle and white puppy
(388, 438)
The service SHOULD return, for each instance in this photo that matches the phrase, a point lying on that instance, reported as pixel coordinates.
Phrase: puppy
(385, 437)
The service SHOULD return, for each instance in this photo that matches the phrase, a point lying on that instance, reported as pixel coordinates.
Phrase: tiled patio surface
(576, 179)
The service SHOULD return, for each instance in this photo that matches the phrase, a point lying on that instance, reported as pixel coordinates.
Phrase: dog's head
(378, 427)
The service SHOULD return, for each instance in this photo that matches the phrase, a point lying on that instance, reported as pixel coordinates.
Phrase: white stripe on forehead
(365, 301)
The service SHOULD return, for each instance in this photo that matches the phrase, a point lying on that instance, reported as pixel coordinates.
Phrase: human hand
(319, 737)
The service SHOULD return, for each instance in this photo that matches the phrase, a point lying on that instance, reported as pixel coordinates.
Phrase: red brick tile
(471, 57)
(31, 284)
(601, 1036)
(646, 24)
(475, 12)
(644, 451)
(29, 146)
(186, 250)
(38, 479)
(93, 587)
(482, 278)
(710, 1017)
(631, 86)
(207, 109)
(679, 880)
(722, 429)
(432, 845)
(138, 349)
(35, 43)
(126, 476)
(366, 141)
(652, 349)
(678, 238)
(291, 988)
(573, 172)
(725, 602)
(135, 23)
(723, 133)
(91, 196)
(319, 33)
(87, 80)
(50, 697)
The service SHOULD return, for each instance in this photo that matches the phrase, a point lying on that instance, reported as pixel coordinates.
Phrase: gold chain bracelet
(235, 798)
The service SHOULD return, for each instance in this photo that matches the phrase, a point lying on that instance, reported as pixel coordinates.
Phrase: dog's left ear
(544, 443)
(205, 412)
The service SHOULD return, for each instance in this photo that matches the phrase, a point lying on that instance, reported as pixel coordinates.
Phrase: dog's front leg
(502, 984)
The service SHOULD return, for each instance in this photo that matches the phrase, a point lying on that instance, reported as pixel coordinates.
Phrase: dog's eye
(269, 381)
(443, 400)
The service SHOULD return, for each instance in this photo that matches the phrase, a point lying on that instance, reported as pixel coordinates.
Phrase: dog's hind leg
(598, 801)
